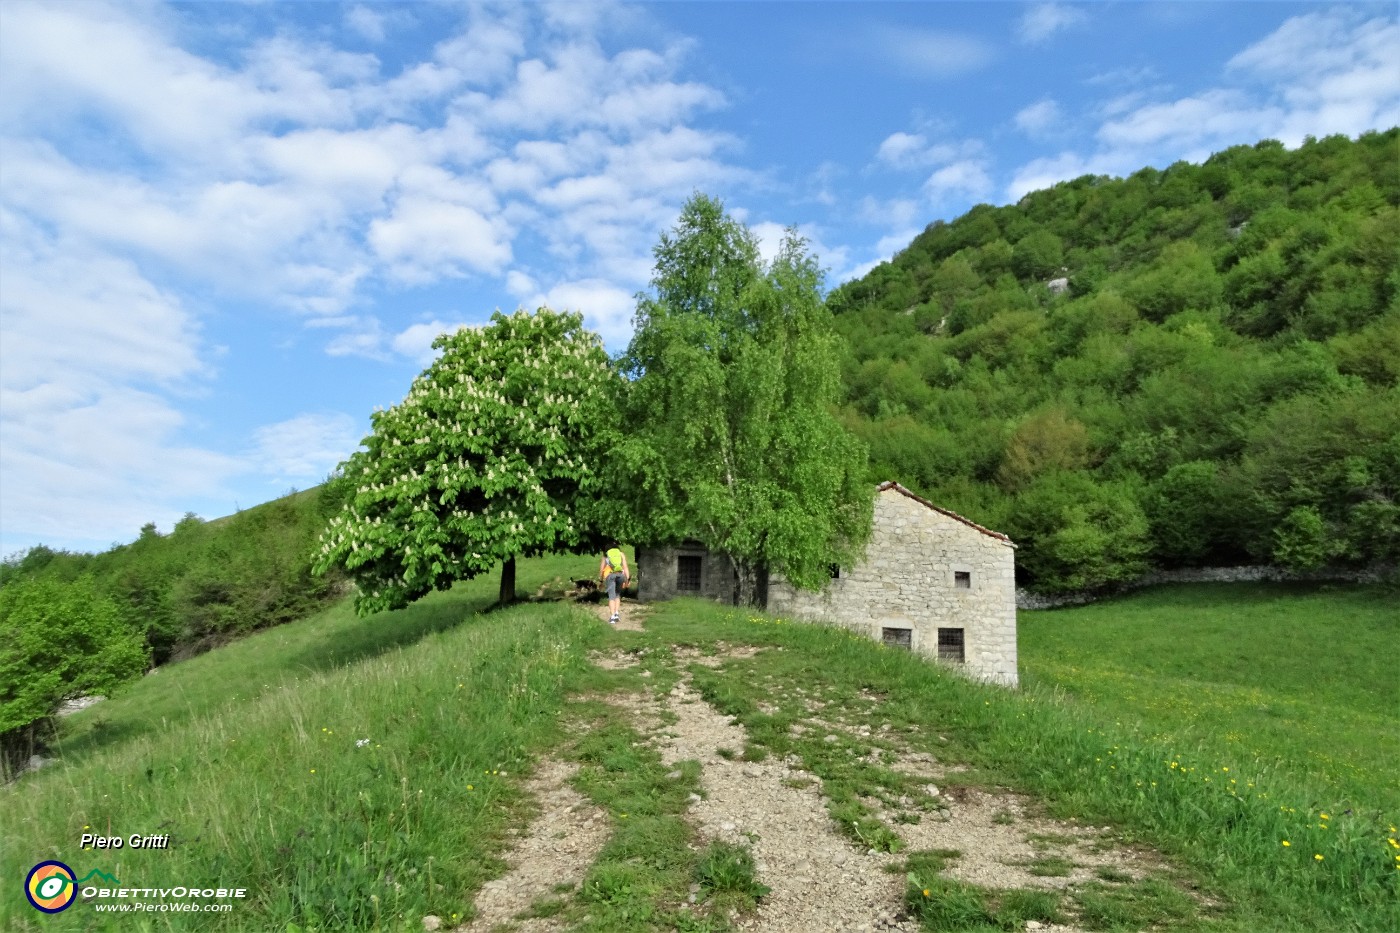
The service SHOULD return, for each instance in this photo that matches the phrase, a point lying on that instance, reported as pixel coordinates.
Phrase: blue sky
(229, 231)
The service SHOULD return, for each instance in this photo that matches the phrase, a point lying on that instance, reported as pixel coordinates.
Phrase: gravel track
(820, 882)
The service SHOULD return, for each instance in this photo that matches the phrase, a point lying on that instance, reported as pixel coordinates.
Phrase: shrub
(57, 642)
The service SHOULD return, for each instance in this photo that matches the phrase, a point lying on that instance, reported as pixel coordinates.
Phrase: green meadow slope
(363, 773)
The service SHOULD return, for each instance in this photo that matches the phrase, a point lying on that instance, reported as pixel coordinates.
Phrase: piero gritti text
(134, 841)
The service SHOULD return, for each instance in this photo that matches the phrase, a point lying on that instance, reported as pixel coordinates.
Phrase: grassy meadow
(1301, 679)
(254, 759)
(361, 773)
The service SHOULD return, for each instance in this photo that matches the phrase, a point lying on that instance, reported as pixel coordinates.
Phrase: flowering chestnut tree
(493, 455)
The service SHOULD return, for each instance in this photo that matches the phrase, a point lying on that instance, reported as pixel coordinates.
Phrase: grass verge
(1226, 824)
(362, 797)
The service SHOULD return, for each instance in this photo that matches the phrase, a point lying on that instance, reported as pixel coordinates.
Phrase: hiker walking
(613, 571)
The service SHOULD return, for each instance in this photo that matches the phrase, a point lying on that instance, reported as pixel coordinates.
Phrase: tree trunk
(507, 582)
(745, 583)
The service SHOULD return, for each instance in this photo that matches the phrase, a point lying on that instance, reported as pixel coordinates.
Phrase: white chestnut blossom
(453, 479)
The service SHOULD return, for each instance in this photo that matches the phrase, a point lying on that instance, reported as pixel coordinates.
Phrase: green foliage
(1226, 353)
(492, 455)
(1049, 440)
(734, 371)
(1184, 510)
(728, 869)
(1080, 534)
(207, 582)
(1301, 540)
(58, 641)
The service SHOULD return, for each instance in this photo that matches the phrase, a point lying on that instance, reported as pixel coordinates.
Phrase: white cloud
(1216, 114)
(913, 150)
(425, 240)
(901, 148)
(1039, 118)
(1331, 71)
(416, 340)
(520, 284)
(68, 309)
(1043, 20)
(1318, 74)
(965, 179)
(368, 23)
(84, 467)
(306, 447)
(87, 456)
(928, 53)
(899, 213)
(1045, 172)
(607, 309)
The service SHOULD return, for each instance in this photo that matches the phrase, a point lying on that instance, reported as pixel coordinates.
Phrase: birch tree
(731, 433)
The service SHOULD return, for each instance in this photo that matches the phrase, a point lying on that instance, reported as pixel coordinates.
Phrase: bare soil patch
(554, 851)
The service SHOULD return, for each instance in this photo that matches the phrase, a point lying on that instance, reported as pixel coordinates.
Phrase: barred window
(950, 644)
(962, 579)
(688, 568)
(898, 638)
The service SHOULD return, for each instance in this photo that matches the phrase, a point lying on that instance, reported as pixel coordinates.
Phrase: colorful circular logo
(50, 887)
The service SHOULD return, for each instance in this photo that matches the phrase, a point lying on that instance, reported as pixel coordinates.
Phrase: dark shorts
(614, 584)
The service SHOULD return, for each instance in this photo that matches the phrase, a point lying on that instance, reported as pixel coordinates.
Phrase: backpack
(607, 559)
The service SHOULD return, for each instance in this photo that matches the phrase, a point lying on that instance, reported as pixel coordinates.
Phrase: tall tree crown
(492, 455)
(735, 373)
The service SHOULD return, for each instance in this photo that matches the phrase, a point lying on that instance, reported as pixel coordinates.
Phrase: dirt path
(631, 615)
(820, 881)
(554, 851)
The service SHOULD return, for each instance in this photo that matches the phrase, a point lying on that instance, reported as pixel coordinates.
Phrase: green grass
(1162, 791)
(276, 658)
(251, 758)
(1298, 679)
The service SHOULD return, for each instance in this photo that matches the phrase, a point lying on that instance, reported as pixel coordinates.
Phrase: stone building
(932, 582)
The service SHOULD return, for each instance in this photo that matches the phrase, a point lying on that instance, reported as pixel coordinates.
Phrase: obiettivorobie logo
(52, 886)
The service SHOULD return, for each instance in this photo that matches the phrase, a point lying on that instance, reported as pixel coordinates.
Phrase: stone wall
(658, 571)
(1025, 599)
(909, 583)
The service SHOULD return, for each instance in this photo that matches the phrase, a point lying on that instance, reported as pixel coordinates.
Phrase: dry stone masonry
(931, 581)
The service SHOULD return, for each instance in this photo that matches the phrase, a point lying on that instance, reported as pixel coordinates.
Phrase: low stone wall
(1025, 599)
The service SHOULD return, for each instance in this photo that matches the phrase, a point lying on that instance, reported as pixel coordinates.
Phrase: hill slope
(361, 773)
(1182, 367)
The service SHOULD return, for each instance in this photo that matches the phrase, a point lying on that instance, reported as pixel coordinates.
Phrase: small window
(962, 579)
(898, 638)
(835, 570)
(688, 573)
(950, 644)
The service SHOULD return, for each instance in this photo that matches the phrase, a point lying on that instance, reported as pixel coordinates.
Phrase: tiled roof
(891, 484)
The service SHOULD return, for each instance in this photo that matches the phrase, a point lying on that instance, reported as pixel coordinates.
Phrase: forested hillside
(1184, 367)
(203, 584)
